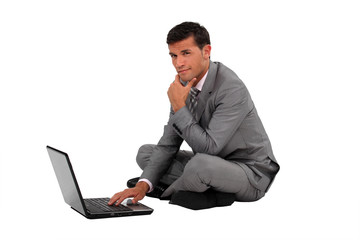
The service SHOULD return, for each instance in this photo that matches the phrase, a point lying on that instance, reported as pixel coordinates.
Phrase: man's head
(189, 46)
(187, 29)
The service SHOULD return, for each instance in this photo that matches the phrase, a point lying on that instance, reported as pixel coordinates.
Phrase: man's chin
(185, 78)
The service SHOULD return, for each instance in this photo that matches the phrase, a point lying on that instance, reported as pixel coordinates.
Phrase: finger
(114, 198)
(126, 194)
(121, 199)
(191, 83)
(138, 198)
(177, 78)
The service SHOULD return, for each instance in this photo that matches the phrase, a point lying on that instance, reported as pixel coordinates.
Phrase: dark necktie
(193, 99)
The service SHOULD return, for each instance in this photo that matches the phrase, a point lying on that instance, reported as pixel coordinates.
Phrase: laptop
(91, 208)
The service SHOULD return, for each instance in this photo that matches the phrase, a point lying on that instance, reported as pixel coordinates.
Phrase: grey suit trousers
(197, 173)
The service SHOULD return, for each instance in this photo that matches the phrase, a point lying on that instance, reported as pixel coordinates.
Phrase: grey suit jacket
(226, 124)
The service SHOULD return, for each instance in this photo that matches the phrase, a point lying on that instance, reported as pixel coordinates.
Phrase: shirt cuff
(148, 182)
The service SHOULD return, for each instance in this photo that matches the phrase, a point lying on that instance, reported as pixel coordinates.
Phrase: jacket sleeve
(231, 105)
(164, 152)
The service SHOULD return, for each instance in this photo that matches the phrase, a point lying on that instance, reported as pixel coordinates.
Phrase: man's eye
(186, 53)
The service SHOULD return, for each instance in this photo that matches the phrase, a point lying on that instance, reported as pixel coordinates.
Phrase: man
(212, 111)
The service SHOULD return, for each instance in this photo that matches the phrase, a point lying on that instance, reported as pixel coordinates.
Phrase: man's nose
(179, 61)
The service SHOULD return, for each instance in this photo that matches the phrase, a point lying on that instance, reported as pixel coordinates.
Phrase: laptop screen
(66, 179)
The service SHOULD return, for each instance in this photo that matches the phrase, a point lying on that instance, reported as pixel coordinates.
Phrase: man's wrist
(143, 185)
(177, 108)
(148, 183)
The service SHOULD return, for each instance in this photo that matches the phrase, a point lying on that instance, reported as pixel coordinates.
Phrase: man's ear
(207, 51)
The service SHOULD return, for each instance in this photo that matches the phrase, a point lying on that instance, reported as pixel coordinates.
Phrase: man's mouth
(183, 71)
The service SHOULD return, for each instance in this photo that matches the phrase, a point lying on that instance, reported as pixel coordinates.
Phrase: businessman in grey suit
(211, 109)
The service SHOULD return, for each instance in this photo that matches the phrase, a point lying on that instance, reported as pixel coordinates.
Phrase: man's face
(189, 60)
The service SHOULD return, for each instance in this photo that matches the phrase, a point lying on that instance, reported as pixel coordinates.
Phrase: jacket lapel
(206, 91)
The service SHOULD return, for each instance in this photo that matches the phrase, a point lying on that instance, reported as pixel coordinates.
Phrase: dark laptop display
(91, 207)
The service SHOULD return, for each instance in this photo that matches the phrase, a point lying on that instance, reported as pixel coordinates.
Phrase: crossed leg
(198, 173)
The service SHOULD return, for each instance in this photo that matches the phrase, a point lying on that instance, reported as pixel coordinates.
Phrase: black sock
(203, 200)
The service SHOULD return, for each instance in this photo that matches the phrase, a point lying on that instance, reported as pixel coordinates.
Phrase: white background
(90, 78)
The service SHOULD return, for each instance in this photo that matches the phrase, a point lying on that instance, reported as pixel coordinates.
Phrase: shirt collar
(200, 84)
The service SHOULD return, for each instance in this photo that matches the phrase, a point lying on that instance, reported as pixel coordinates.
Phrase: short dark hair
(187, 29)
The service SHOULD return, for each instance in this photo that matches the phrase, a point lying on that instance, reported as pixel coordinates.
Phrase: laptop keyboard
(101, 203)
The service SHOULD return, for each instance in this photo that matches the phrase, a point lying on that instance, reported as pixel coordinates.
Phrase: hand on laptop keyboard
(138, 193)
